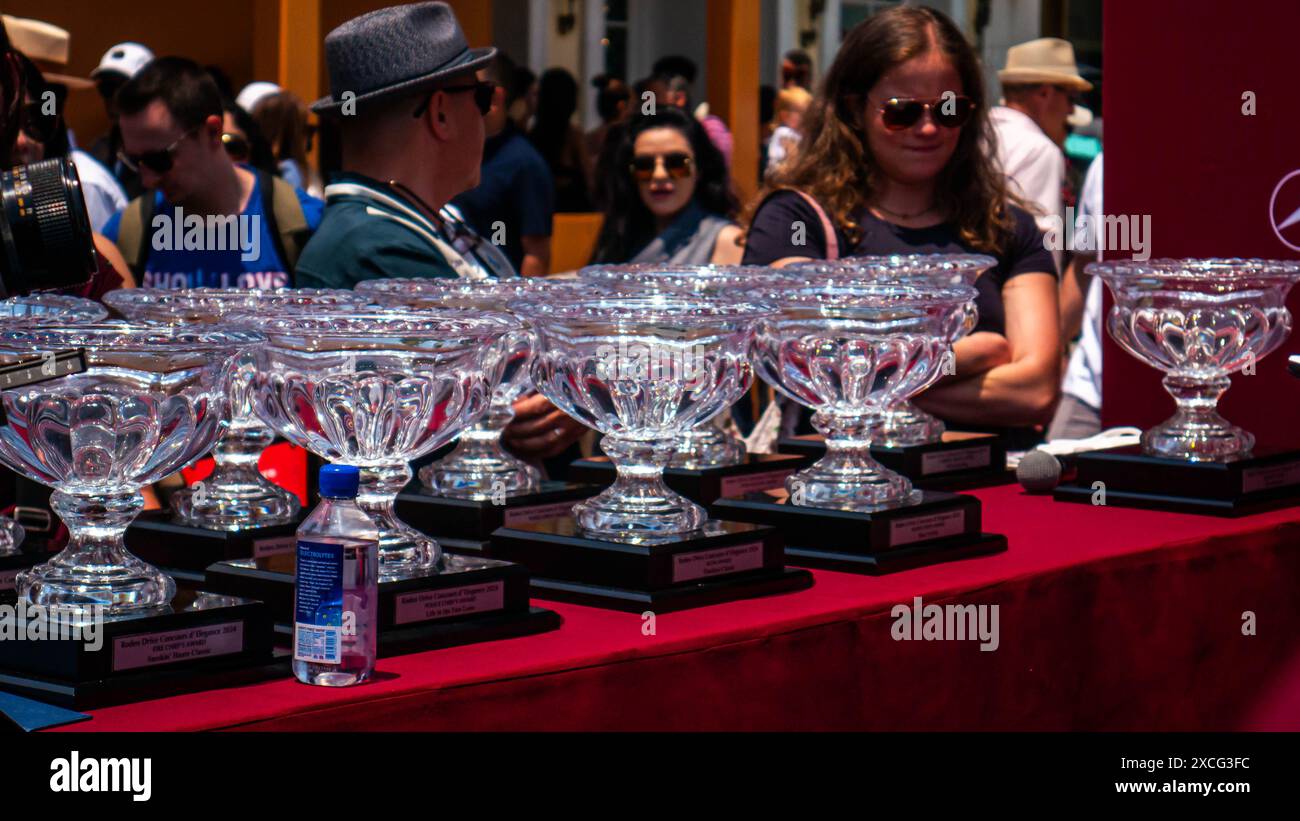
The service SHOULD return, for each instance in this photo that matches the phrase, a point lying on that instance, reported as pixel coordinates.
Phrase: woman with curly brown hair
(897, 158)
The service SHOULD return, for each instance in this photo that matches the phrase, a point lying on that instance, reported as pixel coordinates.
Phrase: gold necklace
(905, 216)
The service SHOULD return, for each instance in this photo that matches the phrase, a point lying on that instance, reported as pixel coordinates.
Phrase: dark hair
(282, 119)
(612, 92)
(676, 65)
(188, 91)
(12, 94)
(260, 156)
(798, 57)
(521, 82)
(557, 100)
(502, 71)
(58, 144)
(834, 164)
(629, 225)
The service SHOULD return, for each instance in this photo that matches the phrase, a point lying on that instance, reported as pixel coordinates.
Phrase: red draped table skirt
(1109, 619)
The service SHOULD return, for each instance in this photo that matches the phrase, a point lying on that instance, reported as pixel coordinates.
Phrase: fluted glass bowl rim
(643, 309)
(1224, 273)
(132, 337)
(884, 266)
(168, 304)
(450, 326)
(441, 286)
(869, 296)
(650, 276)
(58, 308)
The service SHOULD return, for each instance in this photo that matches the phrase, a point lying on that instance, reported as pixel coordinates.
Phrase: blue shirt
(515, 189)
(195, 251)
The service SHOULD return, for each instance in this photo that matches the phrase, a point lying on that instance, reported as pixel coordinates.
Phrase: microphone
(1042, 470)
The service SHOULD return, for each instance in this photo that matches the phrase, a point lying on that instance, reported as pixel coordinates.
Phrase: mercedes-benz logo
(1284, 210)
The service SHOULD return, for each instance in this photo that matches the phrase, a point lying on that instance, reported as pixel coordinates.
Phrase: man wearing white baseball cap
(119, 64)
(1040, 84)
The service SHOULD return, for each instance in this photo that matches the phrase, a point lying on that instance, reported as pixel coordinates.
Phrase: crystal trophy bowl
(479, 468)
(1198, 320)
(375, 389)
(41, 309)
(847, 353)
(707, 445)
(150, 400)
(901, 423)
(642, 370)
(48, 309)
(236, 496)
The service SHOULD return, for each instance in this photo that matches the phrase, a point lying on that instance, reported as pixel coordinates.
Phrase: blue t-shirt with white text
(197, 251)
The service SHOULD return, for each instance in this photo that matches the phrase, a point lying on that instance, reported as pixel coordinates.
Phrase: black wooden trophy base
(473, 520)
(942, 527)
(1268, 480)
(11, 566)
(705, 486)
(199, 642)
(723, 561)
(958, 462)
(471, 600)
(158, 540)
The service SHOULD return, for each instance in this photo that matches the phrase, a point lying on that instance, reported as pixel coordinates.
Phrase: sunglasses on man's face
(236, 146)
(898, 113)
(483, 91)
(677, 165)
(159, 162)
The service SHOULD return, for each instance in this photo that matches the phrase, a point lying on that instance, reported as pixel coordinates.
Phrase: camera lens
(48, 243)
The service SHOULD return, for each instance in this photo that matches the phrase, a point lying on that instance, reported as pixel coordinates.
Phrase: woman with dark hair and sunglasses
(669, 196)
(898, 158)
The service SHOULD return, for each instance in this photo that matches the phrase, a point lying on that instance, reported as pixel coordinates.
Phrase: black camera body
(44, 229)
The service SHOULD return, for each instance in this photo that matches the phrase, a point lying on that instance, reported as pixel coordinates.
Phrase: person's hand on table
(540, 430)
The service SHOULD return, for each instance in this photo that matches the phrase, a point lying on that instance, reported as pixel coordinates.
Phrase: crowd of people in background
(457, 169)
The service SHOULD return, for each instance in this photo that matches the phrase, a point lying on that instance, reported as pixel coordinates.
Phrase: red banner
(1202, 123)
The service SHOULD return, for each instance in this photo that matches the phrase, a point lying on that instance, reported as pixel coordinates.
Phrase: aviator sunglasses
(159, 162)
(898, 113)
(677, 165)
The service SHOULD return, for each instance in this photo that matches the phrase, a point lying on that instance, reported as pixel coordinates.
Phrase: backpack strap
(132, 230)
(832, 239)
(286, 221)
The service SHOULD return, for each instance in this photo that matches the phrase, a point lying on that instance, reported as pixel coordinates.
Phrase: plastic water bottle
(336, 595)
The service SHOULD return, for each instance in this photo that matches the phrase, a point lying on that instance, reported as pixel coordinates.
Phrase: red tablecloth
(1110, 619)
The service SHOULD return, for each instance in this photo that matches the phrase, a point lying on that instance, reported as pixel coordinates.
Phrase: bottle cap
(339, 481)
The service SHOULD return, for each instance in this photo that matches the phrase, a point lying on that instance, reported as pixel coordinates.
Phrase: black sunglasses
(677, 165)
(236, 146)
(483, 91)
(898, 113)
(159, 162)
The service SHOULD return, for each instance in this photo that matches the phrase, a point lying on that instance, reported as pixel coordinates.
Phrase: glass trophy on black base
(463, 497)
(1199, 321)
(109, 408)
(708, 461)
(905, 438)
(642, 371)
(376, 389)
(236, 512)
(847, 353)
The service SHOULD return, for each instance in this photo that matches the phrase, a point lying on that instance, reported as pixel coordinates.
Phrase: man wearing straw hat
(1040, 84)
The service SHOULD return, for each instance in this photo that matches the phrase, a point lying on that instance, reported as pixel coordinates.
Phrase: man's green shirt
(354, 243)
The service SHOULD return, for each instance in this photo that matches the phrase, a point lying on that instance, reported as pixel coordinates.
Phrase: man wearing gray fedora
(409, 105)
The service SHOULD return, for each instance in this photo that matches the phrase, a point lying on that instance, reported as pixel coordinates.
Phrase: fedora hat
(1045, 60)
(395, 52)
(46, 45)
